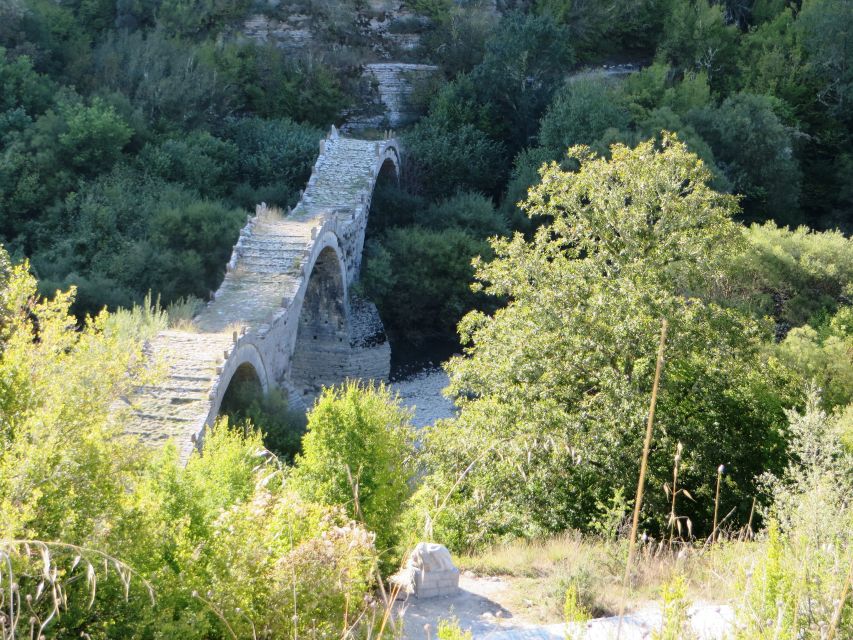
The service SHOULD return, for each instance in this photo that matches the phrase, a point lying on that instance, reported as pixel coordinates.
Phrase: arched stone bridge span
(283, 315)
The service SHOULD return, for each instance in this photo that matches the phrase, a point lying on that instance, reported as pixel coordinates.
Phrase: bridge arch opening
(322, 347)
(244, 388)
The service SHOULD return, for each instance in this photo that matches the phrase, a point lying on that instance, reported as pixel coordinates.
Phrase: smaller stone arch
(245, 364)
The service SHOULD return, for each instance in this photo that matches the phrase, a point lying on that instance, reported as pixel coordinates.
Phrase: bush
(128, 234)
(443, 160)
(547, 388)
(797, 582)
(420, 279)
(357, 453)
(199, 161)
(796, 276)
(581, 113)
(470, 212)
(756, 152)
(275, 158)
(222, 541)
(822, 355)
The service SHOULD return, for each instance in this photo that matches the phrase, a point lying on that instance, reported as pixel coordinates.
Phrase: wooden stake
(644, 462)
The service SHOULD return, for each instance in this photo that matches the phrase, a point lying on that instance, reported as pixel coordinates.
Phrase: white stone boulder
(429, 572)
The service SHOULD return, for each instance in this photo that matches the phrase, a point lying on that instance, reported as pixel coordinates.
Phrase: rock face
(429, 572)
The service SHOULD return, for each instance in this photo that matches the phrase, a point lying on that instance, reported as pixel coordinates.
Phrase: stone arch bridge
(283, 316)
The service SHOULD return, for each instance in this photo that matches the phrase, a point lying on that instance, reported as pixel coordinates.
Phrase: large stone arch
(319, 355)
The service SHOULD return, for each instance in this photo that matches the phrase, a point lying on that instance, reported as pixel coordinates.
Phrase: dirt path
(484, 606)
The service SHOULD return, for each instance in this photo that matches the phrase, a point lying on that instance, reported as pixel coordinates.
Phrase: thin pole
(644, 462)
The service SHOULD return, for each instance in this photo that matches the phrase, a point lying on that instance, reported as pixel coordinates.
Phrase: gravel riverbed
(421, 391)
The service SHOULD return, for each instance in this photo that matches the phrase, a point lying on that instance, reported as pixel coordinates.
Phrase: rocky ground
(485, 607)
(421, 391)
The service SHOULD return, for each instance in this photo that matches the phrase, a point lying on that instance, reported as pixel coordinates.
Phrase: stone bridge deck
(282, 314)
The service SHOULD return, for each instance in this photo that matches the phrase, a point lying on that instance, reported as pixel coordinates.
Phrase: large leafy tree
(554, 388)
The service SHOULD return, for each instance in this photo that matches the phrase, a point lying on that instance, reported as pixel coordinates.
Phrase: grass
(540, 572)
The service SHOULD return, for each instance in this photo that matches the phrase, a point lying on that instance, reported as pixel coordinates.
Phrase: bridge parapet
(283, 309)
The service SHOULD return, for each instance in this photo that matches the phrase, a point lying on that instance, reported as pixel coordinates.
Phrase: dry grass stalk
(50, 592)
(720, 470)
(644, 462)
(842, 599)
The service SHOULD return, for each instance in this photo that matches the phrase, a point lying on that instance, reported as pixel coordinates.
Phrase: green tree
(524, 63)
(357, 453)
(442, 160)
(554, 387)
(823, 354)
(582, 113)
(755, 150)
(274, 160)
(698, 38)
(827, 32)
(419, 278)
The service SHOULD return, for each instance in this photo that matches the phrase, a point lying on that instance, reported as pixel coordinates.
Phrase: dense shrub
(275, 158)
(127, 234)
(582, 113)
(357, 453)
(756, 152)
(795, 276)
(165, 78)
(443, 160)
(812, 518)
(420, 279)
(822, 354)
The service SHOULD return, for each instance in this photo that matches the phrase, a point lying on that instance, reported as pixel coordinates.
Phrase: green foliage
(795, 276)
(191, 17)
(225, 525)
(574, 612)
(582, 113)
(796, 583)
(450, 630)
(698, 38)
(675, 623)
(357, 453)
(128, 233)
(549, 389)
(248, 407)
(459, 42)
(756, 152)
(443, 160)
(23, 86)
(199, 161)
(275, 158)
(419, 278)
(165, 78)
(524, 63)
(825, 26)
(823, 354)
(94, 136)
(600, 27)
(273, 84)
(467, 211)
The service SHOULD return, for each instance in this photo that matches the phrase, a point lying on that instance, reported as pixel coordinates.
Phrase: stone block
(429, 572)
